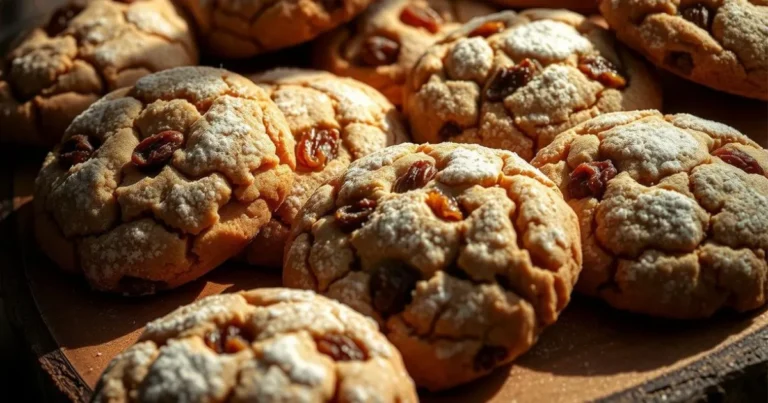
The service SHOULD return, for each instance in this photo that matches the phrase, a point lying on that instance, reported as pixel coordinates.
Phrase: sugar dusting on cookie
(466, 165)
(546, 40)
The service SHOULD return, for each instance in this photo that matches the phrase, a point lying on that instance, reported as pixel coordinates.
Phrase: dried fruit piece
(353, 216)
(331, 5)
(739, 159)
(379, 51)
(134, 286)
(590, 179)
(339, 347)
(391, 284)
(421, 17)
(231, 340)
(61, 18)
(601, 69)
(316, 147)
(154, 151)
(488, 357)
(487, 29)
(508, 79)
(417, 176)
(444, 206)
(449, 130)
(76, 150)
(679, 61)
(698, 14)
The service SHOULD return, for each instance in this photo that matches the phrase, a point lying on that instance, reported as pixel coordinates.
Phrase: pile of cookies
(540, 165)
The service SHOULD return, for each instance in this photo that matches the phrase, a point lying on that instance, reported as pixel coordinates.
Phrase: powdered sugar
(470, 166)
(469, 59)
(195, 84)
(284, 352)
(545, 40)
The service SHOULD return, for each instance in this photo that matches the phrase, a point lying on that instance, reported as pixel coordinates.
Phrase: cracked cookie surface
(334, 121)
(462, 253)
(244, 28)
(265, 345)
(514, 81)
(381, 46)
(717, 43)
(673, 212)
(82, 53)
(156, 184)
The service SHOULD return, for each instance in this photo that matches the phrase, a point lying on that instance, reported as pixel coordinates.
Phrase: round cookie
(240, 29)
(514, 81)
(381, 46)
(83, 52)
(156, 184)
(462, 253)
(673, 212)
(581, 5)
(334, 121)
(265, 345)
(717, 43)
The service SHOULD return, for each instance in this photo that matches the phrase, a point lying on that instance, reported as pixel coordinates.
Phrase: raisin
(134, 286)
(391, 285)
(679, 61)
(231, 340)
(508, 79)
(316, 147)
(339, 347)
(487, 29)
(421, 17)
(154, 151)
(698, 14)
(60, 19)
(417, 176)
(601, 69)
(76, 150)
(449, 130)
(739, 159)
(444, 206)
(590, 179)
(331, 5)
(488, 357)
(379, 51)
(353, 216)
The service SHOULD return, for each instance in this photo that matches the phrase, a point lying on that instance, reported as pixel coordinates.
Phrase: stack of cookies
(540, 165)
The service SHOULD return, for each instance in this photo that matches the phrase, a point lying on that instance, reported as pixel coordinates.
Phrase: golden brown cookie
(462, 253)
(334, 121)
(266, 345)
(82, 53)
(156, 184)
(514, 81)
(381, 46)
(722, 44)
(244, 28)
(673, 212)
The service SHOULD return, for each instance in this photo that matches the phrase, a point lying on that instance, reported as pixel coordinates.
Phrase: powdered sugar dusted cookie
(156, 184)
(720, 44)
(266, 345)
(673, 212)
(334, 121)
(383, 44)
(462, 253)
(82, 53)
(514, 81)
(244, 28)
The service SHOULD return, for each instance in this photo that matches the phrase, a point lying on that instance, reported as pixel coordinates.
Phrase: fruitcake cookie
(717, 43)
(383, 44)
(334, 121)
(244, 28)
(156, 184)
(514, 81)
(673, 212)
(462, 253)
(83, 52)
(266, 345)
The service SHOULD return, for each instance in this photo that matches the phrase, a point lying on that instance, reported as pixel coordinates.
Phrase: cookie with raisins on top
(462, 253)
(514, 81)
(673, 212)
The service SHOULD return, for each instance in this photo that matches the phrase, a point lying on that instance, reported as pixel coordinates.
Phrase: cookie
(381, 46)
(240, 29)
(462, 253)
(266, 345)
(83, 52)
(156, 184)
(334, 121)
(720, 44)
(673, 212)
(581, 5)
(514, 81)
